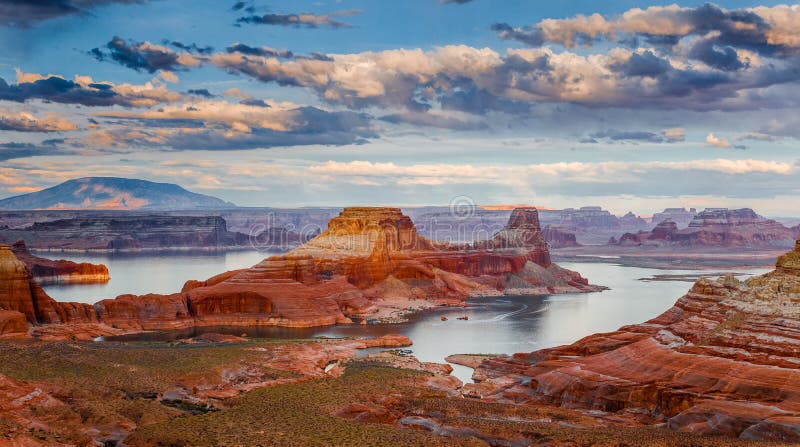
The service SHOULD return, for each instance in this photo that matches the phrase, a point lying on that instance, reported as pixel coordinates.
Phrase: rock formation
(367, 259)
(716, 227)
(60, 271)
(722, 361)
(557, 238)
(13, 324)
(589, 224)
(681, 216)
(366, 255)
(21, 293)
(262, 228)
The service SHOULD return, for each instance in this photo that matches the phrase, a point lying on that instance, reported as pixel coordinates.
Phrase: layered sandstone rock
(13, 324)
(59, 271)
(367, 259)
(21, 293)
(716, 227)
(723, 360)
(557, 238)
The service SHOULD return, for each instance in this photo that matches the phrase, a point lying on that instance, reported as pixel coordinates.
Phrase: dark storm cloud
(24, 13)
(200, 92)
(12, 150)
(191, 47)
(60, 90)
(138, 56)
(254, 102)
(644, 64)
(307, 19)
(720, 57)
(529, 36)
(259, 51)
(628, 136)
(430, 120)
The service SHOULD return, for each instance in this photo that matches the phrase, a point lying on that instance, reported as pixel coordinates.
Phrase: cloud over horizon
(409, 100)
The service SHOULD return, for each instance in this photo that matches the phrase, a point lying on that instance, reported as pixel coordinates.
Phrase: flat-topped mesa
(59, 271)
(369, 231)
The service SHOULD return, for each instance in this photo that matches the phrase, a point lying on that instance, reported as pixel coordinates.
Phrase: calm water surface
(141, 273)
(501, 325)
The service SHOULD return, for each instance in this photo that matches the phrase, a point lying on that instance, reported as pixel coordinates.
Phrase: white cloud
(715, 141)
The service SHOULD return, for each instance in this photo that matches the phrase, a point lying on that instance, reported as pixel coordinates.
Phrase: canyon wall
(722, 361)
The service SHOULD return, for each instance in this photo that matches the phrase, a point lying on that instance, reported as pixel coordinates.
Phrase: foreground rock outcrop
(59, 271)
(722, 361)
(19, 292)
(369, 263)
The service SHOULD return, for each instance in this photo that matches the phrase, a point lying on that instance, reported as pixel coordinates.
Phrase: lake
(498, 325)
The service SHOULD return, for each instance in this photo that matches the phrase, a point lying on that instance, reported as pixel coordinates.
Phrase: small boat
(444, 318)
(465, 317)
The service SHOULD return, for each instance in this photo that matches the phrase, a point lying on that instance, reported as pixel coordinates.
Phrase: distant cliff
(716, 227)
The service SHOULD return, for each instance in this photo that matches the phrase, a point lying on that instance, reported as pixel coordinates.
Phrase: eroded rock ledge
(366, 265)
(59, 271)
(722, 361)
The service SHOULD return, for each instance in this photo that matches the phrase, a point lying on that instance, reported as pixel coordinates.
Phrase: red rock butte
(722, 361)
(366, 258)
(59, 271)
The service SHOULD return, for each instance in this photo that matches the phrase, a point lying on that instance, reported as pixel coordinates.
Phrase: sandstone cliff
(723, 360)
(59, 271)
(19, 292)
(367, 260)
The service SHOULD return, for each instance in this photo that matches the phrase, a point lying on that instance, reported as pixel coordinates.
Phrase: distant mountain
(113, 193)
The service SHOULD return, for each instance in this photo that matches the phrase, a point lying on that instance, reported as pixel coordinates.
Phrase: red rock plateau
(715, 227)
(59, 271)
(367, 261)
(722, 361)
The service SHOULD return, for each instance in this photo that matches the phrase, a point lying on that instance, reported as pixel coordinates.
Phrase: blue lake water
(499, 325)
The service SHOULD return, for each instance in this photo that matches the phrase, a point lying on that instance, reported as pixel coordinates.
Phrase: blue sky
(629, 105)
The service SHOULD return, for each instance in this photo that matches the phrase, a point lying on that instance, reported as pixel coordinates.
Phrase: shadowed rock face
(12, 324)
(21, 293)
(61, 271)
(366, 258)
(559, 239)
(723, 360)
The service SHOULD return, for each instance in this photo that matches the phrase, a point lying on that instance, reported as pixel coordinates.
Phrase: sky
(628, 105)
